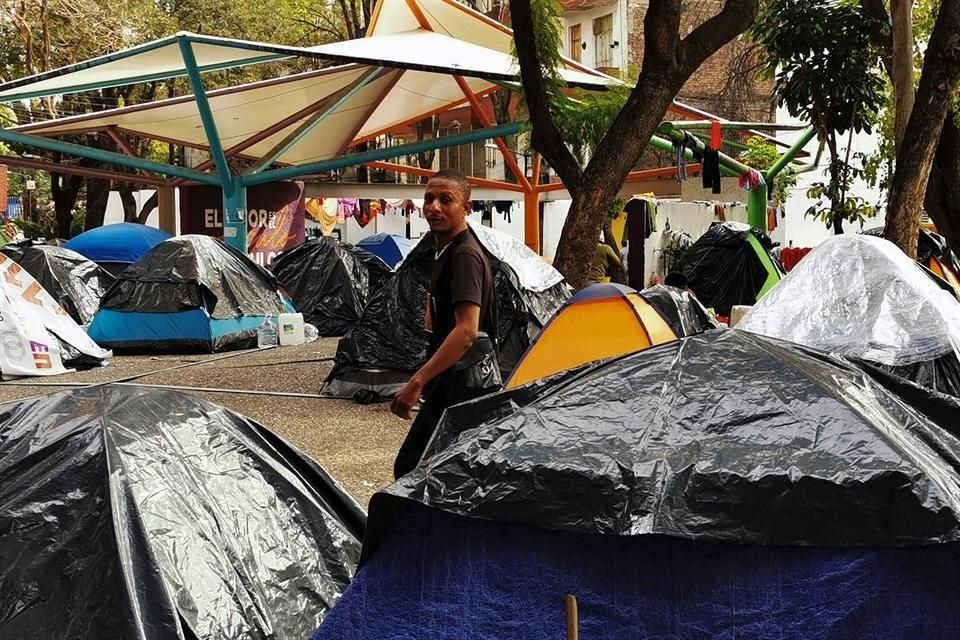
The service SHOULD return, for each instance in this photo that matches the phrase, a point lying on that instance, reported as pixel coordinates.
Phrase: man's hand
(406, 398)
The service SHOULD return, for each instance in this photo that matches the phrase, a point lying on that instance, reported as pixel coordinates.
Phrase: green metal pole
(110, 157)
(789, 155)
(206, 116)
(287, 173)
(235, 216)
(757, 207)
(666, 145)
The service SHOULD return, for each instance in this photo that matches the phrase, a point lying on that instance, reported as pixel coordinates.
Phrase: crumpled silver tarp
(861, 297)
(148, 514)
(532, 271)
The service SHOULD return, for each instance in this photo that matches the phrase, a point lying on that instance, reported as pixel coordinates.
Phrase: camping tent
(37, 336)
(378, 355)
(188, 293)
(140, 513)
(76, 283)
(329, 281)
(625, 483)
(935, 254)
(116, 246)
(607, 320)
(390, 248)
(881, 308)
(730, 265)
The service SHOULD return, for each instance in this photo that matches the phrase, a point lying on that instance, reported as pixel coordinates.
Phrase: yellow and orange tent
(605, 321)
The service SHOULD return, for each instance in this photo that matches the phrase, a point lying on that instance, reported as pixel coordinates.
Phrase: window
(576, 43)
(603, 40)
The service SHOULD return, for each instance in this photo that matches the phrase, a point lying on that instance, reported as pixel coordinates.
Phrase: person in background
(606, 263)
(459, 310)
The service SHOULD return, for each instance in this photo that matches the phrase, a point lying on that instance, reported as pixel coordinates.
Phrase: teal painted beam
(206, 116)
(110, 157)
(757, 207)
(94, 86)
(235, 216)
(789, 155)
(288, 173)
(287, 143)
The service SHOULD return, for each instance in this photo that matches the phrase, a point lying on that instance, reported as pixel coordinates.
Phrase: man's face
(445, 205)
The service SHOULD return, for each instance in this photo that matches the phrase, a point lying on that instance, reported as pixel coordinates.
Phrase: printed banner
(28, 315)
(275, 216)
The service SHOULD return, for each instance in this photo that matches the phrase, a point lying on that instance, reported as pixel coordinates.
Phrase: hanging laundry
(376, 208)
(393, 206)
(719, 212)
(314, 208)
(710, 172)
(504, 207)
(362, 215)
(680, 159)
(716, 136)
(348, 207)
(752, 180)
(693, 145)
(771, 218)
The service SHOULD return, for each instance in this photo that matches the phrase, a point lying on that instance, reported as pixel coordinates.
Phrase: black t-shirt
(461, 273)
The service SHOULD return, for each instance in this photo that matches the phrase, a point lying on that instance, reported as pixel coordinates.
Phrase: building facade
(608, 35)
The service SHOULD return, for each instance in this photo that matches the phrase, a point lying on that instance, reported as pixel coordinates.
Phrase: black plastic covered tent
(330, 282)
(683, 312)
(138, 513)
(885, 309)
(189, 293)
(730, 265)
(378, 355)
(842, 501)
(73, 281)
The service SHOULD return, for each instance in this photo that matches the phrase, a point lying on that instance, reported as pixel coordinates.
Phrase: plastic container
(267, 333)
(291, 328)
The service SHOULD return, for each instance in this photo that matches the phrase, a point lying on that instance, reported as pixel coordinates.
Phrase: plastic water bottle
(267, 333)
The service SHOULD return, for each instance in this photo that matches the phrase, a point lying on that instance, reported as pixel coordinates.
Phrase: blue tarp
(441, 576)
(157, 331)
(125, 242)
(390, 248)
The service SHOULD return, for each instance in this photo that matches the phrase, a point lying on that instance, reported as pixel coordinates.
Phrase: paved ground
(356, 443)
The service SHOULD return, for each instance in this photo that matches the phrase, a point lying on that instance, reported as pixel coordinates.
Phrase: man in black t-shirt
(460, 305)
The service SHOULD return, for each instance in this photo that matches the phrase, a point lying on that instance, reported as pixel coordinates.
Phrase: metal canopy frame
(234, 185)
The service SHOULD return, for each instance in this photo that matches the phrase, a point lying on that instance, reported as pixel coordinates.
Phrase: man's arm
(460, 339)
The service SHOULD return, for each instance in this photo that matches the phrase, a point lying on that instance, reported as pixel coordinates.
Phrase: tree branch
(546, 137)
(661, 34)
(709, 37)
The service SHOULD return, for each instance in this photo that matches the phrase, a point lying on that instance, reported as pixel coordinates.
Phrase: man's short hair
(457, 178)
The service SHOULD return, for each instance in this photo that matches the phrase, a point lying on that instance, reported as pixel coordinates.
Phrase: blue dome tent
(390, 248)
(189, 293)
(116, 246)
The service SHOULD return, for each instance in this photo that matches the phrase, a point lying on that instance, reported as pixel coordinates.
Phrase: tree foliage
(825, 65)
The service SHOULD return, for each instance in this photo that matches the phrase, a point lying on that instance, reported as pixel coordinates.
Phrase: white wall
(585, 19)
(114, 212)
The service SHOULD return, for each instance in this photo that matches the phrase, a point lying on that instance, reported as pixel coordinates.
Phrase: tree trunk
(901, 13)
(64, 190)
(128, 201)
(98, 193)
(938, 84)
(152, 203)
(576, 248)
(838, 226)
(943, 189)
